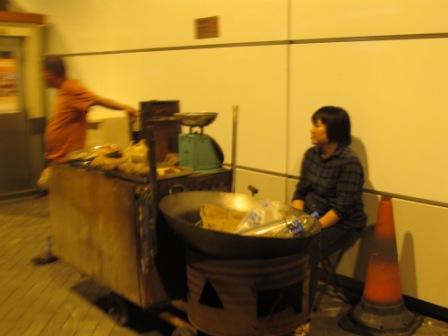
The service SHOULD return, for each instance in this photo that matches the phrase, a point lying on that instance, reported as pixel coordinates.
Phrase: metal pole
(151, 197)
(235, 109)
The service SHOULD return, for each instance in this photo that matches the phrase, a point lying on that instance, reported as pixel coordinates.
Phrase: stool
(327, 269)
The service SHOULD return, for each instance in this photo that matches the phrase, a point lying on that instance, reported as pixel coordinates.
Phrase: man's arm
(111, 104)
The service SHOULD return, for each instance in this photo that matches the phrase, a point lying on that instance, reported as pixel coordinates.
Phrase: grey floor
(56, 299)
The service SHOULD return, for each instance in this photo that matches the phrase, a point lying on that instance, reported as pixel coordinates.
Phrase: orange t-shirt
(66, 130)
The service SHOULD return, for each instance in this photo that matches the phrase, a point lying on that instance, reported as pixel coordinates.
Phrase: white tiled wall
(96, 26)
(351, 18)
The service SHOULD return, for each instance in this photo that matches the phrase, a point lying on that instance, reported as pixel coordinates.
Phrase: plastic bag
(275, 219)
(264, 212)
(43, 180)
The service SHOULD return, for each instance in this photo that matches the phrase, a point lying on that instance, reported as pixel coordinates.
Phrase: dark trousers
(329, 241)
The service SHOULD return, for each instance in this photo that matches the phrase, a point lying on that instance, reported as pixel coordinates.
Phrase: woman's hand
(298, 204)
(329, 219)
(310, 225)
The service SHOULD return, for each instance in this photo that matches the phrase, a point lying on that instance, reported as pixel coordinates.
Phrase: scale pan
(196, 119)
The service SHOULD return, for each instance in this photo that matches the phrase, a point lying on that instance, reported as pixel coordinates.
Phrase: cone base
(374, 320)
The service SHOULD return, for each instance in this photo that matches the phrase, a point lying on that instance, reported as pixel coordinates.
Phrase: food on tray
(138, 152)
(132, 168)
(107, 163)
(110, 150)
(162, 171)
(171, 159)
(220, 219)
(133, 160)
(105, 149)
(79, 155)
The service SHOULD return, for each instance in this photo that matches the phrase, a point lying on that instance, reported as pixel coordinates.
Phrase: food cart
(106, 224)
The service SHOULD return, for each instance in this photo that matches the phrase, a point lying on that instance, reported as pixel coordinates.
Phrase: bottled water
(284, 228)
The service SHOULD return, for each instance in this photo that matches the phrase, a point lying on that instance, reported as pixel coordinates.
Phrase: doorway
(15, 172)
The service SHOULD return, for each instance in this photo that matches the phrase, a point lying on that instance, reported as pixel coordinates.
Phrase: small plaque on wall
(207, 27)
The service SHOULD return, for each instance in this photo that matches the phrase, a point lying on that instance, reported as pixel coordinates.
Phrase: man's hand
(131, 112)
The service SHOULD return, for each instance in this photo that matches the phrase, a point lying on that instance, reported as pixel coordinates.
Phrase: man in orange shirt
(66, 131)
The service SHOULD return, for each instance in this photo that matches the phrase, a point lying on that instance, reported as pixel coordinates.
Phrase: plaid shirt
(332, 183)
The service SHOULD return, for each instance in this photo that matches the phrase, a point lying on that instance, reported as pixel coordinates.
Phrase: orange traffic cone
(381, 310)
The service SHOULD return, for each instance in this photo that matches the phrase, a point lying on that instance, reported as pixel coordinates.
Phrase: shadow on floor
(123, 312)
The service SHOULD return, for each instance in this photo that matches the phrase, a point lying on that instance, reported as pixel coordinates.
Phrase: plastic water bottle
(286, 228)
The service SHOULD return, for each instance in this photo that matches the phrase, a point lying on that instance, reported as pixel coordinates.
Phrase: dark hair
(337, 121)
(55, 64)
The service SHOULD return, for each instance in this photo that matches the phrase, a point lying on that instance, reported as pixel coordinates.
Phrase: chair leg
(327, 269)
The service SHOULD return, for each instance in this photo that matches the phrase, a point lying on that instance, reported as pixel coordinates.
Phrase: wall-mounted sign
(207, 27)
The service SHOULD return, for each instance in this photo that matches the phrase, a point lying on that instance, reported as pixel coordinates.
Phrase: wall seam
(268, 43)
(365, 190)
(288, 98)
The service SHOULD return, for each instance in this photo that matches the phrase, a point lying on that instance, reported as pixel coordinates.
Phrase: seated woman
(330, 186)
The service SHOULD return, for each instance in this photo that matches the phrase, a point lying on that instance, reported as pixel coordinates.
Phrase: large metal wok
(181, 212)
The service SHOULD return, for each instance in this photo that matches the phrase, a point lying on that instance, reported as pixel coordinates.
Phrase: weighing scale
(197, 150)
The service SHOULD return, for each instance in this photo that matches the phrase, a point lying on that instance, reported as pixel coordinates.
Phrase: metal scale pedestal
(198, 150)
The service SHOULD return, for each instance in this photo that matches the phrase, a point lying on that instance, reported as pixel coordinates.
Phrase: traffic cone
(381, 310)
